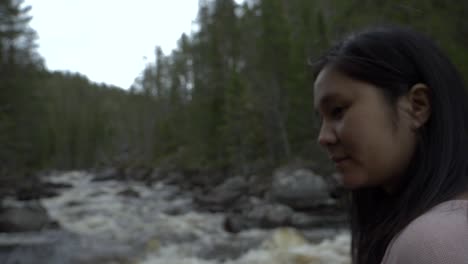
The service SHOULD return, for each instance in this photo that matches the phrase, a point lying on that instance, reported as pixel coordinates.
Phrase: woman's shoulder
(437, 237)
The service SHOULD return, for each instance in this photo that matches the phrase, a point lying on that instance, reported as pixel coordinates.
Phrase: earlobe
(420, 104)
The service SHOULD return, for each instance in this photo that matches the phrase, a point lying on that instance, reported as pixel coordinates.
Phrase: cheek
(354, 134)
(366, 138)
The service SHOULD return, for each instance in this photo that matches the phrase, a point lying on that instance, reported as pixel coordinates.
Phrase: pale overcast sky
(108, 40)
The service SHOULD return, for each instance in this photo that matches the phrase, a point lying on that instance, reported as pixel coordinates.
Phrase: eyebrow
(325, 100)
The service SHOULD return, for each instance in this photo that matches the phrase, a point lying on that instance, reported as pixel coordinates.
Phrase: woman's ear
(419, 104)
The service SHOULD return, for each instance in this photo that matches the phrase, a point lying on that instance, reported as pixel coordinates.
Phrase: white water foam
(96, 209)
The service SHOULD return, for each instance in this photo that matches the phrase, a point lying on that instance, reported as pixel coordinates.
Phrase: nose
(327, 135)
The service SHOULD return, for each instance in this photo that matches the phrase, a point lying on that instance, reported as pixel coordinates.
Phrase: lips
(338, 159)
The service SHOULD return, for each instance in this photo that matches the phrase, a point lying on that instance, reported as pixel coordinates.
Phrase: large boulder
(270, 215)
(258, 214)
(25, 217)
(299, 188)
(25, 187)
(224, 195)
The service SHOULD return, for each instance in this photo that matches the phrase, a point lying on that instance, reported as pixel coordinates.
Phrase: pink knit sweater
(439, 236)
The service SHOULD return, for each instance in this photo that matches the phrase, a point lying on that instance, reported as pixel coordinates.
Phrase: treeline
(236, 94)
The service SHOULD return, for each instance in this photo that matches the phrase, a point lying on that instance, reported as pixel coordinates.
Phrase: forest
(236, 95)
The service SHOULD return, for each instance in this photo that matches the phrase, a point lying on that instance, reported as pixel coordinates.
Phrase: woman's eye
(337, 112)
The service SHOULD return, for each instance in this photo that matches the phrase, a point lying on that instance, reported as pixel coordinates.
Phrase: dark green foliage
(20, 74)
(250, 96)
(235, 94)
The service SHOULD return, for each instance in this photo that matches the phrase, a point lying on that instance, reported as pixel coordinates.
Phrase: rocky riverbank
(292, 196)
(154, 216)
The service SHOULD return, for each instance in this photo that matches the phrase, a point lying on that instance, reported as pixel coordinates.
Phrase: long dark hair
(394, 59)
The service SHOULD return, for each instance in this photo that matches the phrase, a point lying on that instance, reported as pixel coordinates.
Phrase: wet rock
(35, 191)
(129, 192)
(155, 175)
(271, 215)
(107, 175)
(128, 173)
(256, 213)
(74, 203)
(27, 187)
(25, 218)
(235, 223)
(224, 195)
(263, 216)
(222, 249)
(204, 178)
(57, 186)
(173, 178)
(299, 188)
(311, 221)
(141, 174)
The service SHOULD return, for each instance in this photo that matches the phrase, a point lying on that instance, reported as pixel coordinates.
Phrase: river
(116, 222)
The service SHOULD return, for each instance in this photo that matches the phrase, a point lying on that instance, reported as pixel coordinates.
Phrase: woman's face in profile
(370, 143)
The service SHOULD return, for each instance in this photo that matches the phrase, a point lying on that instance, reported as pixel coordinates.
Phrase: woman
(394, 119)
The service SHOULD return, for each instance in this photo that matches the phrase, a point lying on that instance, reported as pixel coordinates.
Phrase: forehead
(331, 84)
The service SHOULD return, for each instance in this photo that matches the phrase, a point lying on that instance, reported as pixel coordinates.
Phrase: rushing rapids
(115, 222)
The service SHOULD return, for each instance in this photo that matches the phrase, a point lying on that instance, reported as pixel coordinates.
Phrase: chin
(351, 181)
